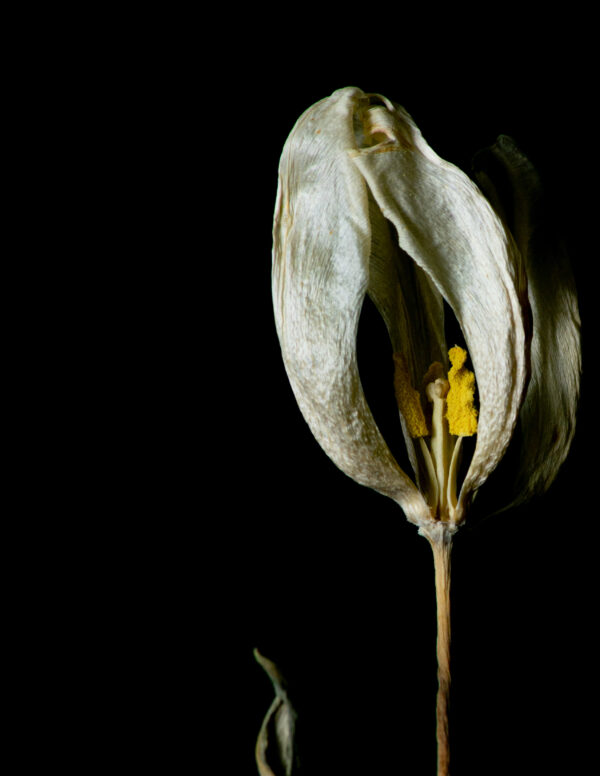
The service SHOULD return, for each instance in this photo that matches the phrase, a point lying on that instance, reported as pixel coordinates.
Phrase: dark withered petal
(547, 416)
(276, 748)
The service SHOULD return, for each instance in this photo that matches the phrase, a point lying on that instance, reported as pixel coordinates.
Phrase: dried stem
(441, 545)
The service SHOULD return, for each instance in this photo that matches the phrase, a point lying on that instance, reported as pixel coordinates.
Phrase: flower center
(449, 416)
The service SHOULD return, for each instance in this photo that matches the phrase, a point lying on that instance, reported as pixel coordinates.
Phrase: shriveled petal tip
(548, 413)
(321, 250)
(276, 746)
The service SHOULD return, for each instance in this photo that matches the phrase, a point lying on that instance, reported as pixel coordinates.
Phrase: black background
(238, 531)
(186, 515)
(327, 578)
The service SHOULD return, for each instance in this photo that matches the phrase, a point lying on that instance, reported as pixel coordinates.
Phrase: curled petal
(549, 411)
(321, 251)
(410, 305)
(450, 230)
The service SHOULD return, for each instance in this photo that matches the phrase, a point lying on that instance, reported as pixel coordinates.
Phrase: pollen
(461, 412)
(408, 399)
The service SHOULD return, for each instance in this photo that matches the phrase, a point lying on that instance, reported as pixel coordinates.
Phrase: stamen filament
(452, 473)
(432, 494)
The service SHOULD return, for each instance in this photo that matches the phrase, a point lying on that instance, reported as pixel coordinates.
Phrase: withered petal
(548, 414)
(450, 230)
(276, 748)
(321, 251)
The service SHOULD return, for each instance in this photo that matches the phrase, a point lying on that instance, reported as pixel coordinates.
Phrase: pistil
(440, 442)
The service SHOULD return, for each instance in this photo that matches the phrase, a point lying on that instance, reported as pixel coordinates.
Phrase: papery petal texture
(450, 230)
(365, 205)
(276, 745)
(321, 250)
(548, 414)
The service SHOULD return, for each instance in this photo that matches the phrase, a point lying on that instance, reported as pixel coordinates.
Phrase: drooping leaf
(276, 747)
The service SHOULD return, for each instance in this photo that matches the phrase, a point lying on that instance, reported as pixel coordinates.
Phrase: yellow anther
(461, 412)
(409, 402)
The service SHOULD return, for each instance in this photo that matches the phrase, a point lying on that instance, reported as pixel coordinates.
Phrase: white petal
(320, 276)
(411, 307)
(449, 229)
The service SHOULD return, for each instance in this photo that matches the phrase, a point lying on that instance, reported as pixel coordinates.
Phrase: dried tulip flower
(366, 207)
